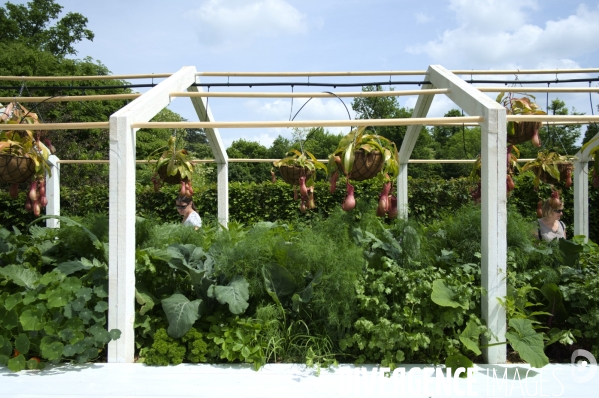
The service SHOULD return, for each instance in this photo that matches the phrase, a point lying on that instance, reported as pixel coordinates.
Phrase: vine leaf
(444, 296)
(527, 342)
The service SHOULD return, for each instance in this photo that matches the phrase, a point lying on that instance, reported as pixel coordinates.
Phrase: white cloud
(315, 109)
(422, 18)
(227, 23)
(497, 34)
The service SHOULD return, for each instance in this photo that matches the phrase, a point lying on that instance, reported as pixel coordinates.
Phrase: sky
(150, 36)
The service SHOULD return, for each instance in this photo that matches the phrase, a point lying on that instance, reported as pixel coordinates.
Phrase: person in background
(550, 225)
(188, 211)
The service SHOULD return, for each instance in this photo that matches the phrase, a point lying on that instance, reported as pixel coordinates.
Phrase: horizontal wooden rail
(302, 74)
(95, 161)
(311, 95)
(55, 126)
(439, 121)
(577, 119)
(538, 89)
(71, 98)
(310, 123)
(397, 73)
(69, 78)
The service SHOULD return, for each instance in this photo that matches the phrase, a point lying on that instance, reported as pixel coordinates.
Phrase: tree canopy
(37, 25)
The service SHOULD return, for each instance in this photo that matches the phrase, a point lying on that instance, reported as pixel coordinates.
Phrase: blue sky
(149, 36)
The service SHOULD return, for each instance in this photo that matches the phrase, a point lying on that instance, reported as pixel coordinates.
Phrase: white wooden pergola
(482, 110)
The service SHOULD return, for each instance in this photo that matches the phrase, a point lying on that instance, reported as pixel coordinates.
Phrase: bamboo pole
(309, 95)
(71, 98)
(432, 161)
(54, 126)
(582, 119)
(301, 74)
(397, 73)
(539, 89)
(309, 123)
(70, 78)
(439, 121)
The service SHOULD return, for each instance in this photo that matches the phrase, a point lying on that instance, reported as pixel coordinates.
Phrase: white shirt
(193, 220)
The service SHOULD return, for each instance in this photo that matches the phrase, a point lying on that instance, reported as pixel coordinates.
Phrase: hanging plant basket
(523, 132)
(366, 165)
(565, 172)
(16, 169)
(172, 180)
(291, 174)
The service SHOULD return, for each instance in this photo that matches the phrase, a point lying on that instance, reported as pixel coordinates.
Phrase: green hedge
(250, 202)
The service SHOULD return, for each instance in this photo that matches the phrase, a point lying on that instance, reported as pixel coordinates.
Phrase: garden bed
(390, 293)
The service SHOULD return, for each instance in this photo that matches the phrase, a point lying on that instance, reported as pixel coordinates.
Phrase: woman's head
(184, 204)
(553, 207)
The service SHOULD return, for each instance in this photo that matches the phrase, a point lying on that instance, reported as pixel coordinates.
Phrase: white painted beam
(121, 265)
(581, 188)
(53, 193)
(220, 155)
(493, 201)
(423, 104)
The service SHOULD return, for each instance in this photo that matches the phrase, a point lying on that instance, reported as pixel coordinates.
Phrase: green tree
(32, 25)
(249, 172)
(592, 130)
(456, 142)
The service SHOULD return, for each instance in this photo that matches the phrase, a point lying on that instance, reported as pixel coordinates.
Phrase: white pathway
(280, 380)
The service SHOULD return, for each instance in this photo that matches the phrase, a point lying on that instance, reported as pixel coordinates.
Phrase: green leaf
(306, 294)
(278, 281)
(458, 361)
(22, 343)
(100, 291)
(21, 276)
(70, 267)
(180, 313)
(115, 334)
(3, 360)
(51, 349)
(444, 296)
(71, 284)
(102, 306)
(17, 364)
(85, 315)
(5, 347)
(144, 298)
(12, 300)
(51, 277)
(235, 294)
(34, 364)
(58, 298)
(469, 337)
(84, 292)
(527, 342)
(32, 319)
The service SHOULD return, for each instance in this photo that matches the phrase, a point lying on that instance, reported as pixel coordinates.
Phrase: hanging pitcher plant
(520, 132)
(173, 167)
(361, 156)
(23, 157)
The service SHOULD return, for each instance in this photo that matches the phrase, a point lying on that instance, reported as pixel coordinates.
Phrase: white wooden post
(53, 193)
(581, 189)
(423, 105)
(220, 155)
(121, 266)
(493, 201)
